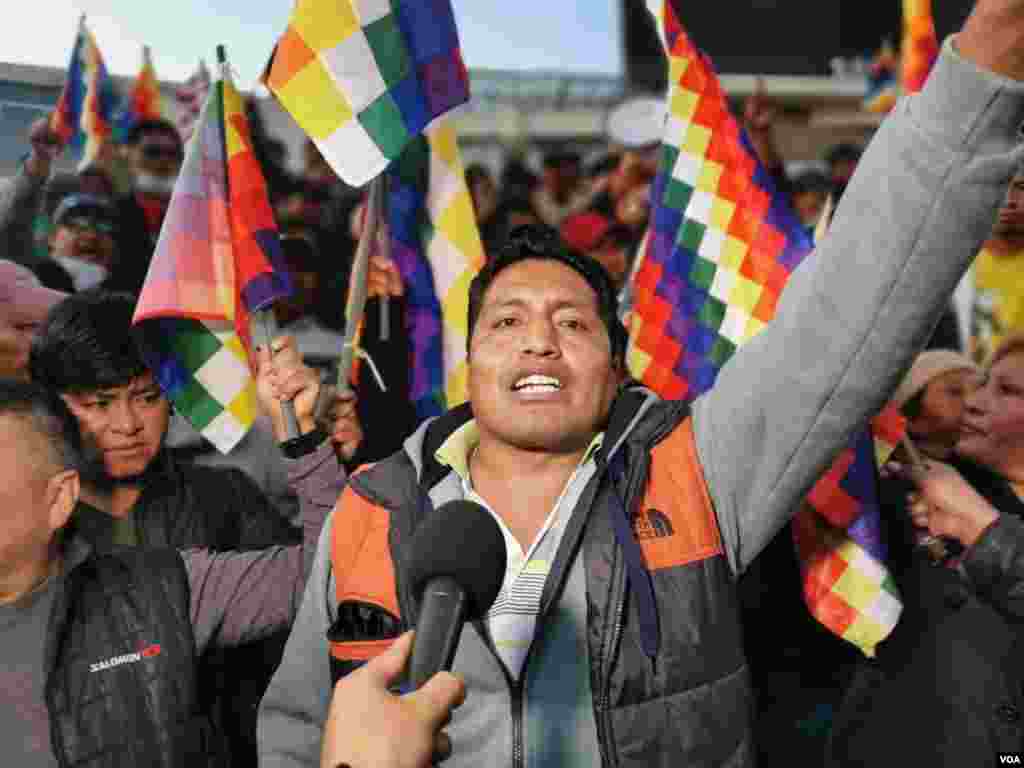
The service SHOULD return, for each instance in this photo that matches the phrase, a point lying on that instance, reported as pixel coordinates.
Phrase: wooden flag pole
(357, 283)
(263, 323)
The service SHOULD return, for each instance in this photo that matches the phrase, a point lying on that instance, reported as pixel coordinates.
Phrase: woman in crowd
(947, 686)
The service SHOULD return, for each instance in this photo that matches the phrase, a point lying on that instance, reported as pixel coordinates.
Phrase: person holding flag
(628, 518)
(84, 113)
(103, 646)
(143, 101)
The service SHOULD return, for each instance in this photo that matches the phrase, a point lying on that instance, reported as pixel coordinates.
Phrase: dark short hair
(843, 152)
(811, 181)
(605, 164)
(541, 242)
(913, 407)
(86, 344)
(300, 254)
(477, 172)
(152, 125)
(559, 158)
(48, 415)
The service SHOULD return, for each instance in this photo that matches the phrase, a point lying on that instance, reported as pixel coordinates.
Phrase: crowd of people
(163, 604)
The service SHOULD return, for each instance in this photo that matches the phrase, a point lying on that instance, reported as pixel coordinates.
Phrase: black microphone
(456, 567)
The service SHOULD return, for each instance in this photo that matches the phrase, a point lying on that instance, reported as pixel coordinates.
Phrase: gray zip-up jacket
(849, 323)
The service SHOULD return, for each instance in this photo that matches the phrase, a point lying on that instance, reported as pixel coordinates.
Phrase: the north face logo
(651, 524)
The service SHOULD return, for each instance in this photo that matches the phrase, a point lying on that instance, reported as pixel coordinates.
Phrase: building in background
(813, 60)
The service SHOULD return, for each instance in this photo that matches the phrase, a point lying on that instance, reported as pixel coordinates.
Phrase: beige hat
(928, 366)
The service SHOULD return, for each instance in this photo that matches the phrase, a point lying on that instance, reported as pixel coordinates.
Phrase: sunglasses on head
(535, 239)
(159, 151)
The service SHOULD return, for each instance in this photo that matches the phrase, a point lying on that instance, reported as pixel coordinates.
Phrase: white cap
(637, 123)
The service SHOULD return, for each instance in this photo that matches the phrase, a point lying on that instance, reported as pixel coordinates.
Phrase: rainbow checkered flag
(883, 82)
(190, 97)
(920, 44)
(144, 101)
(217, 261)
(364, 77)
(722, 244)
(890, 77)
(436, 246)
(839, 541)
(85, 108)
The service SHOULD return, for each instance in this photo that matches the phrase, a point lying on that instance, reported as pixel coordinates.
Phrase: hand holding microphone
(369, 726)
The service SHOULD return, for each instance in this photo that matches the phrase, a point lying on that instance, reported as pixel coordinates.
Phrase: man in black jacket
(136, 492)
(100, 648)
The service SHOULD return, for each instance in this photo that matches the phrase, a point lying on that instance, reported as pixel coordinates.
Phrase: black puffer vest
(121, 679)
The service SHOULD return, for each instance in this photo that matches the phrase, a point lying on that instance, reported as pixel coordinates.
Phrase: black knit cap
(532, 241)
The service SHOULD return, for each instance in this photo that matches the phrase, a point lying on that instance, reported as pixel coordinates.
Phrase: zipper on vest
(515, 688)
(633, 483)
(603, 719)
(517, 724)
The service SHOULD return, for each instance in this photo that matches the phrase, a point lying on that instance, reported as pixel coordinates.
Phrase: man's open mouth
(537, 383)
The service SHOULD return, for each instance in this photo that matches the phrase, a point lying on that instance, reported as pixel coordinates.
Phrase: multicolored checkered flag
(217, 261)
(883, 83)
(437, 248)
(85, 109)
(363, 77)
(920, 44)
(144, 101)
(722, 245)
(190, 97)
(889, 77)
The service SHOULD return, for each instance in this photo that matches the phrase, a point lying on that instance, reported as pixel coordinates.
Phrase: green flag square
(667, 158)
(677, 194)
(412, 167)
(192, 343)
(386, 42)
(691, 234)
(384, 123)
(196, 404)
(711, 316)
(702, 273)
(721, 350)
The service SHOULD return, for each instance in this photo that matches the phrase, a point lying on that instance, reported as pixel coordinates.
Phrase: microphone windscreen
(460, 540)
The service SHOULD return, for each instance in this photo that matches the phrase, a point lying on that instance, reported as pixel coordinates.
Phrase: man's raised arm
(855, 314)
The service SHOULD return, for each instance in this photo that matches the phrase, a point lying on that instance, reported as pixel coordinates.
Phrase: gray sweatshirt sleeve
(238, 597)
(294, 708)
(855, 314)
(19, 203)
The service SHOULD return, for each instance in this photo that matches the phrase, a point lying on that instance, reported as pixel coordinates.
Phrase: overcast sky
(564, 35)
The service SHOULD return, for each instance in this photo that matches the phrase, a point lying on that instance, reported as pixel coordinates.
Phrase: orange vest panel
(675, 522)
(361, 562)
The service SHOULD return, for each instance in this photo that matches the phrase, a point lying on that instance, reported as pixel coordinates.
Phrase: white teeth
(537, 383)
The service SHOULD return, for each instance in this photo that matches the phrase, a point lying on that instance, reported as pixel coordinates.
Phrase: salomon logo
(652, 524)
(128, 658)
